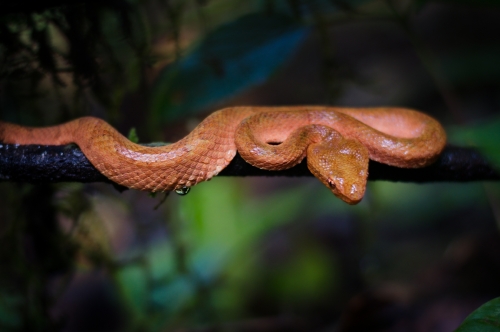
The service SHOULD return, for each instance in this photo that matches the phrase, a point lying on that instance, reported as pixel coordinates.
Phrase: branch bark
(50, 164)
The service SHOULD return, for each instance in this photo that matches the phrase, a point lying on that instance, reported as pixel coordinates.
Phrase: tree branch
(50, 164)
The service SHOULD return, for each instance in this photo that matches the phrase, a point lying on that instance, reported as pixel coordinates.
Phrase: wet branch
(50, 164)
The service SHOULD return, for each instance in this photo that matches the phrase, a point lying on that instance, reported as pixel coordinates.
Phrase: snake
(337, 142)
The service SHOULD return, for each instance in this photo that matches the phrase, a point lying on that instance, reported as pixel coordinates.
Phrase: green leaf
(484, 319)
(235, 56)
(132, 135)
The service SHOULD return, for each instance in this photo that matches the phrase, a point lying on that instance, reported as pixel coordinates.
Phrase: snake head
(342, 166)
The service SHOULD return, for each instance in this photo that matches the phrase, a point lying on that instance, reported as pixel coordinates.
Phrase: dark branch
(49, 164)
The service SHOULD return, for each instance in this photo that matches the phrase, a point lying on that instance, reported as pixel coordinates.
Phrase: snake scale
(337, 141)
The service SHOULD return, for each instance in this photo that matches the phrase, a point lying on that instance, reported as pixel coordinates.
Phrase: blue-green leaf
(233, 57)
(484, 319)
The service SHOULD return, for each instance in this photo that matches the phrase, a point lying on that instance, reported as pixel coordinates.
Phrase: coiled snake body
(337, 142)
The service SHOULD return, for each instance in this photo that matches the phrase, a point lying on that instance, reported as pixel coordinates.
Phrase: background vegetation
(249, 254)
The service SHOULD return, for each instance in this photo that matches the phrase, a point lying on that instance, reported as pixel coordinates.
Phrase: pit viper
(337, 141)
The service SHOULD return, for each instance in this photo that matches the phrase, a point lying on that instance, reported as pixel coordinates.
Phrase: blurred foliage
(70, 44)
(233, 250)
(235, 56)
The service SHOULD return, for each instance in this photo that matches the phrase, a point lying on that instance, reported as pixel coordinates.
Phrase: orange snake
(337, 142)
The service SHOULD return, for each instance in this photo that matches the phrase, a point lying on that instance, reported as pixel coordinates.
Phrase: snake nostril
(274, 143)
